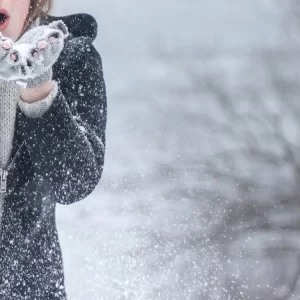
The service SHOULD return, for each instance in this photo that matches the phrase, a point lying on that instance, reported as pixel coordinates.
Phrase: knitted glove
(29, 61)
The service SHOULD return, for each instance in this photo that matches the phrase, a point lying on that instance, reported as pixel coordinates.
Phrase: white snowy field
(138, 236)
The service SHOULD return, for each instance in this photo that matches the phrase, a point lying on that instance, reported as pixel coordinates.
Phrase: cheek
(18, 15)
(21, 9)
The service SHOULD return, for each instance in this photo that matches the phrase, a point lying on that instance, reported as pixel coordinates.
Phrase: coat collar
(17, 139)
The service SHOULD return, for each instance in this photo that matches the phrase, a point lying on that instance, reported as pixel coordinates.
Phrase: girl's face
(16, 11)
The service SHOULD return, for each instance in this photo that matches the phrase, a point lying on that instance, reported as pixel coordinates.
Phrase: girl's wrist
(31, 95)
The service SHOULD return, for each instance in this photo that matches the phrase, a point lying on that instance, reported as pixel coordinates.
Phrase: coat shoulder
(78, 49)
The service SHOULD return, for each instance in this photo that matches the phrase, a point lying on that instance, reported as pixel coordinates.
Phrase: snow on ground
(134, 237)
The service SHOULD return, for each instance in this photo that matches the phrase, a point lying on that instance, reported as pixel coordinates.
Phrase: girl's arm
(67, 142)
(33, 102)
(36, 94)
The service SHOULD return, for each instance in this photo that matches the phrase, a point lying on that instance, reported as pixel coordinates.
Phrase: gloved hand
(29, 61)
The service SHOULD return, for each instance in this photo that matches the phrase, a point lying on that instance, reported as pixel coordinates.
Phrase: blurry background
(199, 197)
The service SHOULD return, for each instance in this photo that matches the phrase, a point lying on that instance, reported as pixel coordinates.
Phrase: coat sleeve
(67, 142)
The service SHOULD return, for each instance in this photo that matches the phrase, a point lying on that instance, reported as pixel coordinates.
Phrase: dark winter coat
(56, 158)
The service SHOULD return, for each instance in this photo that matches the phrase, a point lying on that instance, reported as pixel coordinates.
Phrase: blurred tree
(245, 110)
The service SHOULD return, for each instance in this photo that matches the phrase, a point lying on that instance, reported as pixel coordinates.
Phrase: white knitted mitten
(29, 61)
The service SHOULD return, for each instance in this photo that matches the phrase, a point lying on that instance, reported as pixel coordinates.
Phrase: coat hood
(79, 25)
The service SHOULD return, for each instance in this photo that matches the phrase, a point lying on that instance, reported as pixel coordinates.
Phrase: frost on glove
(29, 61)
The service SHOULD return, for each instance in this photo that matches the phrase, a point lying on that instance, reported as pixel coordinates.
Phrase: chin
(11, 34)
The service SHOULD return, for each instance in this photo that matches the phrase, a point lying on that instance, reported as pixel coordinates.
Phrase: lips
(4, 18)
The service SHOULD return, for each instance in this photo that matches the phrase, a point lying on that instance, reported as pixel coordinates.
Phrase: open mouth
(3, 18)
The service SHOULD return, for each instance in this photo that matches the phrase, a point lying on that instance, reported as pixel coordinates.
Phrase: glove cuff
(37, 81)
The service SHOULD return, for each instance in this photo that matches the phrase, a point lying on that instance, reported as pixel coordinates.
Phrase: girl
(52, 139)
